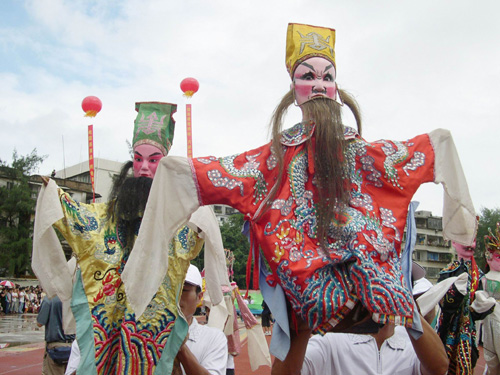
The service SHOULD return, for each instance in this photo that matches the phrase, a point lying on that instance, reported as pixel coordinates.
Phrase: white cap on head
(417, 271)
(193, 276)
(421, 286)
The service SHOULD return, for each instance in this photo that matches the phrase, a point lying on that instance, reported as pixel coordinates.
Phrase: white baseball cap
(417, 271)
(193, 276)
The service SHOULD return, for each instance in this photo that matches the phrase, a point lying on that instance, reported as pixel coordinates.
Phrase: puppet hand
(45, 180)
(482, 302)
(461, 283)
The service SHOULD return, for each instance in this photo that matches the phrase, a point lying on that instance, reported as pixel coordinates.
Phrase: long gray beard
(329, 161)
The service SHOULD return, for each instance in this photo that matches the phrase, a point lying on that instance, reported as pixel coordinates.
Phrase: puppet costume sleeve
(491, 325)
(112, 338)
(361, 262)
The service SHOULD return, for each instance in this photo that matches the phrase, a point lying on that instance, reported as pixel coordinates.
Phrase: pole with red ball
(189, 87)
(91, 105)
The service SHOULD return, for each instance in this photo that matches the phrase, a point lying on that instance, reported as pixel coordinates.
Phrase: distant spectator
(50, 316)
(22, 299)
(3, 300)
(8, 301)
(266, 319)
(15, 301)
(35, 304)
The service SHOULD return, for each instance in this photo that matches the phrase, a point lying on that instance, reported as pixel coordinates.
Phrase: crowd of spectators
(20, 300)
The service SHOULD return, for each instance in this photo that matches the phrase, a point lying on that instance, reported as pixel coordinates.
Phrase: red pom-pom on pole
(189, 86)
(91, 105)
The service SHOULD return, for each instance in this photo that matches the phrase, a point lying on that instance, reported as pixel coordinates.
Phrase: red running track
(27, 360)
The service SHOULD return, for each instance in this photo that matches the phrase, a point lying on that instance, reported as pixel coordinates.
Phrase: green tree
(235, 241)
(16, 211)
(487, 219)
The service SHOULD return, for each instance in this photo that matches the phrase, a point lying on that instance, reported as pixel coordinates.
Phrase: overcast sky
(413, 66)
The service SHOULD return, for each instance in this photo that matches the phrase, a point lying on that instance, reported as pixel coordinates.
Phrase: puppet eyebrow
(312, 68)
(309, 66)
(155, 154)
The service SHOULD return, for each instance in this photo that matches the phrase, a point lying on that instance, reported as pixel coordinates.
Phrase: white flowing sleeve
(459, 216)
(172, 200)
(215, 264)
(48, 260)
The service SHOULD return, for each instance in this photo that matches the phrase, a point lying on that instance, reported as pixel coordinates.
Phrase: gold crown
(492, 240)
(304, 41)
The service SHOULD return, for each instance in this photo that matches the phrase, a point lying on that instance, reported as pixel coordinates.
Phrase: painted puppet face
(314, 77)
(493, 259)
(464, 252)
(146, 159)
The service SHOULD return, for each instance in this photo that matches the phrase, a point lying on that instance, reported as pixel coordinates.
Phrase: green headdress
(154, 125)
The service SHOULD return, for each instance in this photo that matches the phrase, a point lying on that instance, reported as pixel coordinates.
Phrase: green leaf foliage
(487, 219)
(235, 241)
(17, 208)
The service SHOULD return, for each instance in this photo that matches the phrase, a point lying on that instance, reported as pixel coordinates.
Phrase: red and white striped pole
(189, 87)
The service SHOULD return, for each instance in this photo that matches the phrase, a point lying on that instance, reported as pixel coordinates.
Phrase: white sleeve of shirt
(74, 359)
(215, 360)
(317, 358)
(211, 350)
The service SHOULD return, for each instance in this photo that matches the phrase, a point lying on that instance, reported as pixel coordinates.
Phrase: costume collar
(301, 132)
(493, 275)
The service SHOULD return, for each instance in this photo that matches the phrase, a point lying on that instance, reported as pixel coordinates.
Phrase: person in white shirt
(386, 352)
(15, 301)
(21, 300)
(205, 349)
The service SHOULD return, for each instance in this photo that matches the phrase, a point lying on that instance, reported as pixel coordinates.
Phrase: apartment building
(222, 212)
(104, 172)
(432, 251)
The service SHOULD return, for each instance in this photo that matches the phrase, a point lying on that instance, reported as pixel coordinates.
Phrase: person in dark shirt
(50, 316)
(266, 319)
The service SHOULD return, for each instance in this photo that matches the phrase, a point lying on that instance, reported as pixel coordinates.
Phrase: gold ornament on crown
(492, 242)
(305, 41)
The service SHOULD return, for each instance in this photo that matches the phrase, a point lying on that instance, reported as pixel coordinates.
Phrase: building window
(435, 223)
(432, 272)
(230, 211)
(432, 257)
(420, 239)
(218, 209)
(421, 223)
(83, 177)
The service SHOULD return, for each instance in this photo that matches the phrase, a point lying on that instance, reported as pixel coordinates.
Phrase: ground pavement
(24, 354)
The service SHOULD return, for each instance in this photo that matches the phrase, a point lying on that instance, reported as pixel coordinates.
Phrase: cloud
(413, 67)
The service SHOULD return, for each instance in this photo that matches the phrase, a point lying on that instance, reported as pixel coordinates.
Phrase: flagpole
(91, 105)
(189, 87)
